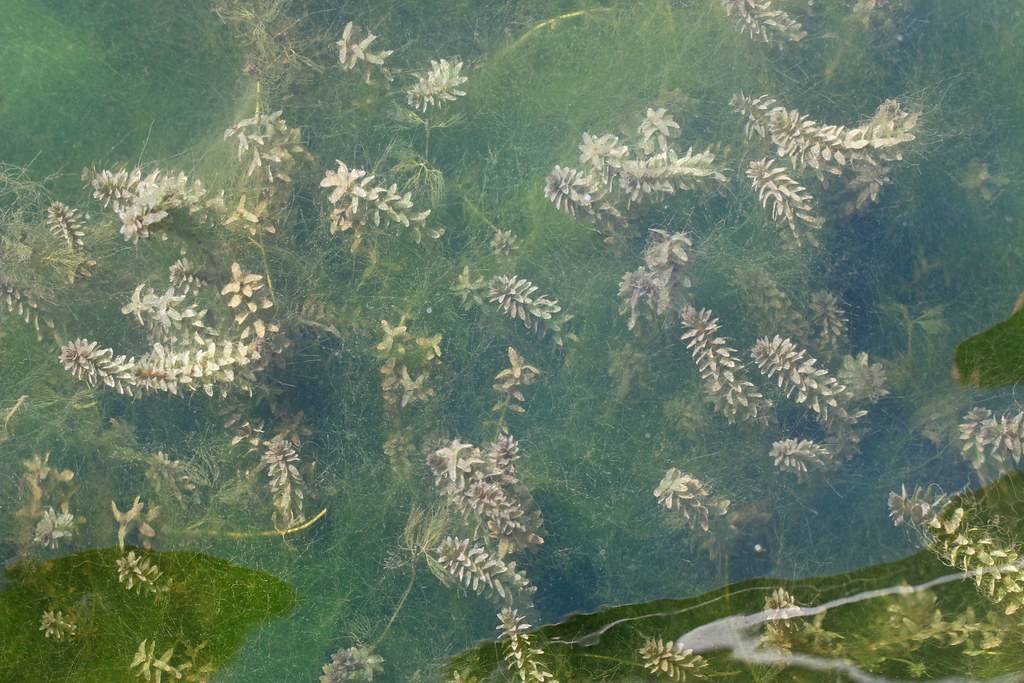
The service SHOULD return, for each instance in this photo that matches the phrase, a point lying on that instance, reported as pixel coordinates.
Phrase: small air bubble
(429, 309)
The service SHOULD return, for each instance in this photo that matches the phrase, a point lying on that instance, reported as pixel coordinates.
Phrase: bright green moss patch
(209, 603)
(995, 357)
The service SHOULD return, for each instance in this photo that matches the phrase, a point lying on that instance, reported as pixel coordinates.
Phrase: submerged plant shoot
(536, 341)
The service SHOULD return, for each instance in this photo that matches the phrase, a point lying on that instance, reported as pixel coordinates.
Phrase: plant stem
(398, 607)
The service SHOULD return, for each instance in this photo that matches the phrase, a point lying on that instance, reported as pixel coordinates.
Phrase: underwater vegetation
(906, 620)
(462, 286)
(92, 618)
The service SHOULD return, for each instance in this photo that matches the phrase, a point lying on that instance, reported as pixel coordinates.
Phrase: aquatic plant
(469, 289)
(990, 442)
(864, 380)
(185, 277)
(725, 378)
(144, 203)
(515, 298)
(572, 191)
(759, 20)
(94, 364)
(45, 483)
(830, 319)
(951, 532)
(663, 280)
(57, 626)
(670, 659)
(404, 355)
(280, 460)
(272, 146)
(521, 654)
(792, 205)
(798, 456)
(166, 317)
(53, 527)
(772, 308)
(352, 664)
(438, 85)
(692, 498)
(23, 305)
(474, 568)
(174, 476)
(618, 174)
(504, 243)
(64, 224)
(358, 204)
(249, 299)
(795, 372)
(509, 383)
(138, 574)
(862, 152)
(153, 668)
(354, 53)
(137, 518)
(484, 486)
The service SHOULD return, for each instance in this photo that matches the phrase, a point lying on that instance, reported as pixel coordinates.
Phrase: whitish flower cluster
(473, 567)
(792, 206)
(521, 654)
(516, 298)
(94, 364)
(184, 276)
(919, 508)
(619, 173)
(359, 203)
(509, 382)
(55, 625)
(64, 224)
(992, 442)
(166, 317)
(352, 664)
(405, 356)
(438, 85)
(484, 485)
(281, 460)
(791, 455)
(863, 151)
(662, 281)
(864, 380)
(355, 53)
(797, 373)
(53, 527)
(759, 20)
(828, 316)
(214, 365)
(692, 498)
(272, 146)
(151, 667)
(725, 378)
(670, 659)
(138, 574)
(142, 203)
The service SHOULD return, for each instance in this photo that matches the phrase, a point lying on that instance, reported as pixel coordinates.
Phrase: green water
(124, 83)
